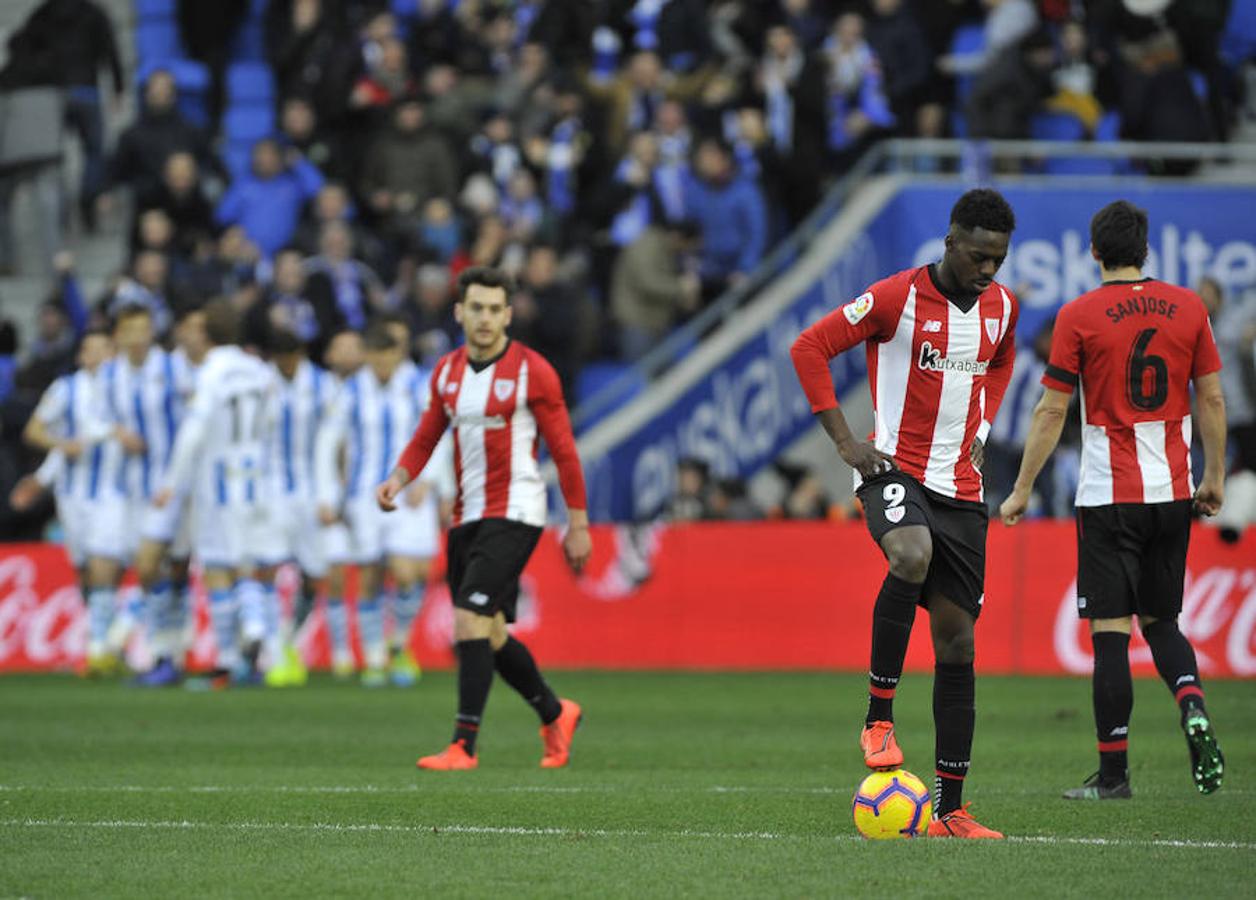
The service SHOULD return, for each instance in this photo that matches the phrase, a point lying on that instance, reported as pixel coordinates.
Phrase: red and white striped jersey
(937, 371)
(498, 412)
(1133, 347)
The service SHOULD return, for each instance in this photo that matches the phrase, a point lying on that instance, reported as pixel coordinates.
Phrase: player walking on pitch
(941, 342)
(499, 397)
(1133, 345)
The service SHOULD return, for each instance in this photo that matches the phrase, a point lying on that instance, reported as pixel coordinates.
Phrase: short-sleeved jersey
(300, 406)
(73, 407)
(498, 412)
(1133, 348)
(148, 400)
(937, 371)
(220, 447)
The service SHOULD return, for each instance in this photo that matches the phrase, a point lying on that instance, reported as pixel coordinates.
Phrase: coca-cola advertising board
(784, 595)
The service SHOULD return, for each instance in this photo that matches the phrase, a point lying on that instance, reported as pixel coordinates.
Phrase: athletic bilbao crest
(992, 330)
(503, 388)
(895, 514)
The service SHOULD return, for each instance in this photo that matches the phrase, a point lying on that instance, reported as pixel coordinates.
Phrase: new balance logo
(932, 325)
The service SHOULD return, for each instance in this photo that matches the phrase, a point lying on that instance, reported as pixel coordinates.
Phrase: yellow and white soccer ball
(891, 804)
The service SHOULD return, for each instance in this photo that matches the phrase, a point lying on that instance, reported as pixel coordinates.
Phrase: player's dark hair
(983, 208)
(222, 323)
(130, 311)
(378, 337)
(1118, 232)
(484, 276)
(282, 342)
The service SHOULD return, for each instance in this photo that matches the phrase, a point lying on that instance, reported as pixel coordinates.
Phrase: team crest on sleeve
(503, 388)
(992, 330)
(855, 310)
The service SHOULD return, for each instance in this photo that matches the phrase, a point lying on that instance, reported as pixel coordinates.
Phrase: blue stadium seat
(966, 40)
(1109, 127)
(1238, 41)
(146, 10)
(250, 83)
(157, 40)
(246, 124)
(249, 44)
(1053, 126)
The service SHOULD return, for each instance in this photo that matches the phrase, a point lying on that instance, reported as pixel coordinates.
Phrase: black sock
(517, 667)
(1114, 700)
(1175, 661)
(954, 716)
(892, 618)
(475, 677)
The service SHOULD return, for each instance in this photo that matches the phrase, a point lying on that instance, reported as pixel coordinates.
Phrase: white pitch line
(530, 831)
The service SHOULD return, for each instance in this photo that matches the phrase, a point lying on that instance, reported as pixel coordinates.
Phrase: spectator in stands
(356, 288)
(563, 27)
(895, 35)
(805, 496)
(1075, 79)
(72, 40)
(689, 503)
(142, 150)
(425, 300)
(1013, 87)
(676, 30)
(180, 197)
(727, 502)
(296, 304)
(1008, 22)
(206, 31)
(299, 128)
(146, 285)
(521, 209)
(227, 268)
(523, 79)
(675, 143)
(628, 202)
(730, 213)
(858, 109)
(632, 98)
(440, 232)
(268, 201)
(494, 150)
(1005, 444)
(654, 285)
(386, 80)
(407, 165)
(303, 39)
(1158, 100)
(792, 96)
(547, 314)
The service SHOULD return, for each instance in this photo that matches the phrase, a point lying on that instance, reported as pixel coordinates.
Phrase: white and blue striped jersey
(148, 400)
(372, 422)
(73, 408)
(1011, 424)
(220, 449)
(300, 405)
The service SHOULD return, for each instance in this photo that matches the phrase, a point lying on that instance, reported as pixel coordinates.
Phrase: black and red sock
(519, 670)
(475, 677)
(954, 717)
(892, 618)
(1175, 661)
(1113, 692)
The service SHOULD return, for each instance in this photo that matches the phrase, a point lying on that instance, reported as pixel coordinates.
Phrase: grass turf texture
(693, 784)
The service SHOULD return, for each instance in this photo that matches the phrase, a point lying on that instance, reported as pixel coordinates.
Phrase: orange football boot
(452, 758)
(880, 749)
(557, 735)
(959, 823)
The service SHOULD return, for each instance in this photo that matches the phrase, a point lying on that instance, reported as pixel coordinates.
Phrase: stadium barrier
(782, 595)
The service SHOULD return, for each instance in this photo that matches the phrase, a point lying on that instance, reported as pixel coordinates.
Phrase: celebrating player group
(210, 453)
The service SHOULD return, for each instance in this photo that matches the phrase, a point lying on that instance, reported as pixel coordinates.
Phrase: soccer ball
(891, 804)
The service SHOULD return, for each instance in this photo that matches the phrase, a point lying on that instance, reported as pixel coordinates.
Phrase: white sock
(338, 628)
(406, 609)
(371, 628)
(99, 616)
(222, 616)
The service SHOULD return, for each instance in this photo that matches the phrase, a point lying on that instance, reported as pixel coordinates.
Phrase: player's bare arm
(1044, 433)
(577, 542)
(1212, 427)
(388, 492)
(861, 456)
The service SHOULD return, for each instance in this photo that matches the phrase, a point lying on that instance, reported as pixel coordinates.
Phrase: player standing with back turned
(1133, 345)
(941, 343)
(499, 397)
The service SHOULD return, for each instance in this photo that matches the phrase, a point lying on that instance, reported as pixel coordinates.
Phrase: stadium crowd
(627, 160)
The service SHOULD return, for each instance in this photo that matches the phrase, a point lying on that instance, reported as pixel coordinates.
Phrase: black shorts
(485, 559)
(957, 570)
(1131, 559)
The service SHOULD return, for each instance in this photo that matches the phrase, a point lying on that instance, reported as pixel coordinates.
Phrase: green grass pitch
(703, 785)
